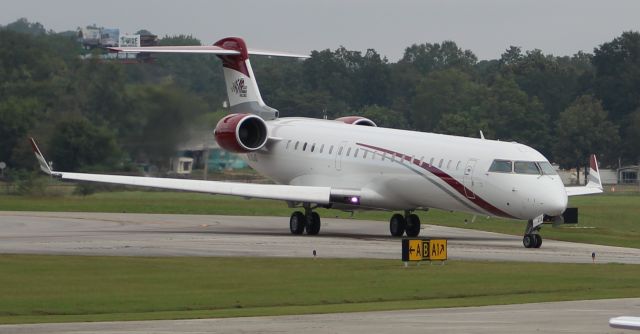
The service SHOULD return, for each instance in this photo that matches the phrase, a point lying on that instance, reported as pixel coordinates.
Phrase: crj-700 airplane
(351, 164)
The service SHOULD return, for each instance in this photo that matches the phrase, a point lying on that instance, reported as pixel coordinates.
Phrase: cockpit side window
(526, 167)
(500, 166)
(547, 169)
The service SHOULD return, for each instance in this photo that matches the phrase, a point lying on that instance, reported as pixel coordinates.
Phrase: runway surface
(589, 316)
(203, 235)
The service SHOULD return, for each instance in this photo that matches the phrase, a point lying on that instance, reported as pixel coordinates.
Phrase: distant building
(98, 38)
(217, 158)
(629, 175)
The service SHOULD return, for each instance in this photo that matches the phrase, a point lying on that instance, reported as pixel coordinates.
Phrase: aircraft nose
(555, 199)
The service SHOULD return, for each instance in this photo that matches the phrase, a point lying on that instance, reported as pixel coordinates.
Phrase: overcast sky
(485, 27)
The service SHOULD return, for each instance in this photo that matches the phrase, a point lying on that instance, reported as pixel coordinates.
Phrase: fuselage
(405, 170)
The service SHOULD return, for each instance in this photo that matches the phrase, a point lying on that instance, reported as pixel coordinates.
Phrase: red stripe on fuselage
(452, 182)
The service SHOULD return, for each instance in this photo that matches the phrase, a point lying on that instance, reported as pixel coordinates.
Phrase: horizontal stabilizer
(202, 49)
(594, 184)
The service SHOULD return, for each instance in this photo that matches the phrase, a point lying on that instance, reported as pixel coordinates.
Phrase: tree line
(100, 115)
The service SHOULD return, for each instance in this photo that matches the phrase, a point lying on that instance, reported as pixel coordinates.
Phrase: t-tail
(242, 87)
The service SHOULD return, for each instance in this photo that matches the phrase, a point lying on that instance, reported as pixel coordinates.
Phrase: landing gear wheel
(297, 223)
(529, 241)
(397, 225)
(413, 225)
(313, 223)
(538, 241)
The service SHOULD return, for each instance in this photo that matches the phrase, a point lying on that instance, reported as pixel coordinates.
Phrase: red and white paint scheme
(352, 164)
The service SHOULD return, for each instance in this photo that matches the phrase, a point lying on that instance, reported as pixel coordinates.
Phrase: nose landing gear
(532, 238)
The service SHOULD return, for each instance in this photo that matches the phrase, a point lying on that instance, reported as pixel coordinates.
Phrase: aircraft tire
(313, 223)
(528, 241)
(397, 225)
(413, 225)
(297, 223)
(538, 241)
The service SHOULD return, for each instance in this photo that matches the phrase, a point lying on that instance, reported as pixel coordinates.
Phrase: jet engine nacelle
(356, 120)
(241, 133)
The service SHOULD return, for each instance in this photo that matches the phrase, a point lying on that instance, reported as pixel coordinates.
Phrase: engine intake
(241, 133)
(356, 120)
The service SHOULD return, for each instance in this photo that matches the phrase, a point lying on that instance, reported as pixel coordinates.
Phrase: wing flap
(319, 195)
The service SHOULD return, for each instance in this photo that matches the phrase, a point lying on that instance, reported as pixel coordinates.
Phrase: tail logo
(239, 88)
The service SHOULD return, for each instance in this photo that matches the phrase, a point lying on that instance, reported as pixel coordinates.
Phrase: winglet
(44, 166)
(593, 179)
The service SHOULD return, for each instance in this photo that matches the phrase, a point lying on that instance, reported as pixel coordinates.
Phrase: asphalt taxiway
(206, 235)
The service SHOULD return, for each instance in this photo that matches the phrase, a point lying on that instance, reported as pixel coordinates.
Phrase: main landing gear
(308, 221)
(532, 238)
(409, 223)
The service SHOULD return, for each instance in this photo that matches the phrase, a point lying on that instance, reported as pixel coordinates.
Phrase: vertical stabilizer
(242, 88)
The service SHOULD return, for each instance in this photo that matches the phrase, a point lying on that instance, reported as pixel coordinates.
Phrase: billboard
(109, 37)
(129, 41)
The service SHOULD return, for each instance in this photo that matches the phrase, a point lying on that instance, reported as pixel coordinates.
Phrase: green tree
(428, 57)
(77, 143)
(383, 116)
(514, 116)
(443, 92)
(555, 81)
(583, 129)
(17, 116)
(631, 137)
(165, 114)
(617, 77)
(467, 123)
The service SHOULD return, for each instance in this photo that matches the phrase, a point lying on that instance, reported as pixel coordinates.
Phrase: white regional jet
(349, 163)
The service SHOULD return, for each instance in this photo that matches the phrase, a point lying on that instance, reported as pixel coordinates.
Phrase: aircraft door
(467, 179)
(339, 152)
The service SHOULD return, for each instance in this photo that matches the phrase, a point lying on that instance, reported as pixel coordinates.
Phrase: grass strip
(38, 288)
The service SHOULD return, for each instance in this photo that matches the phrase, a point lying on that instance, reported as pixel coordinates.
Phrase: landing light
(355, 200)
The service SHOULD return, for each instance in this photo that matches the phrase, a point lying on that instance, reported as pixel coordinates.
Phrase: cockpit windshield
(501, 166)
(547, 169)
(526, 167)
(522, 167)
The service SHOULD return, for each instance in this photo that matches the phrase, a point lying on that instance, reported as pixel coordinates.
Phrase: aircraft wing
(625, 322)
(594, 184)
(318, 195)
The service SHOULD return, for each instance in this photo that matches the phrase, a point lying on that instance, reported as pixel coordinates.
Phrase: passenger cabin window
(304, 147)
(348, 151)
(458, 165)
(331, 149)
(296, 147)
(501, 166)
(431, 162)
(355, 154)
(288, 143)
(321, 148)
(364, 155)
(440, 164)
(449, 164)
(340, 150)
(547, 169)
(313, 146)
(526, 167)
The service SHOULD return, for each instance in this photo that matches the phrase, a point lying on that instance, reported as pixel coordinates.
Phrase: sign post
(424, 250)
